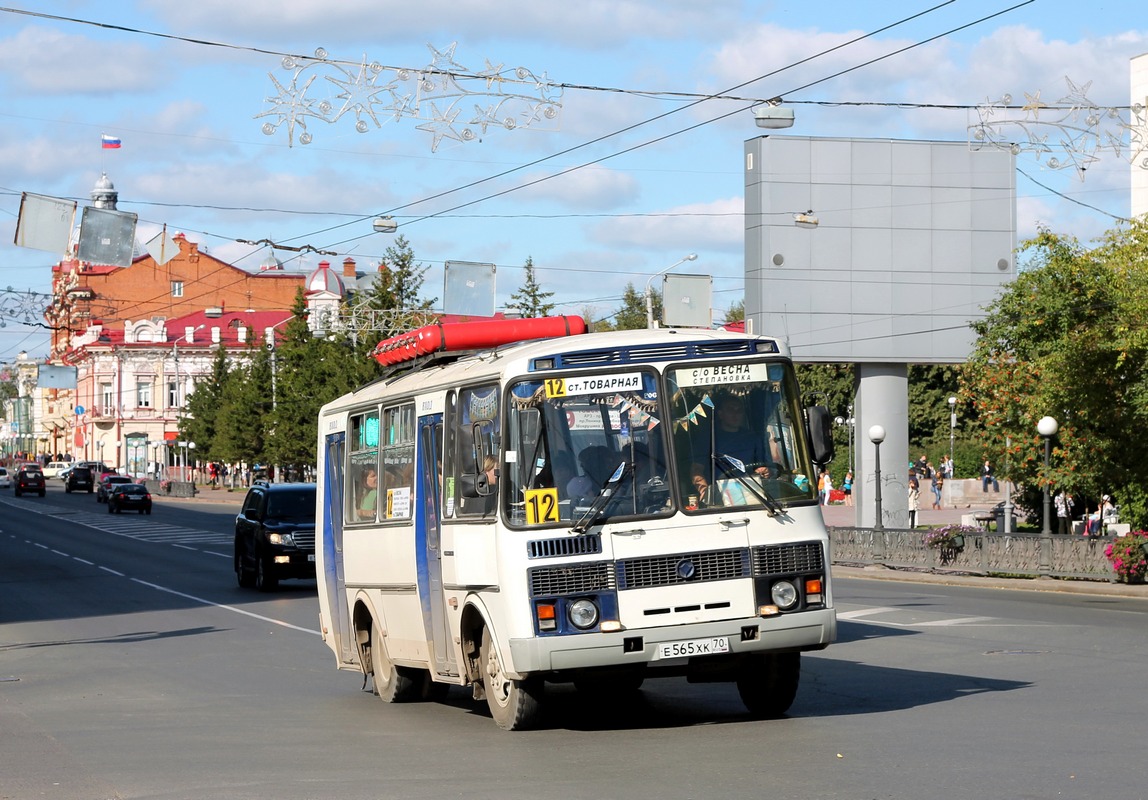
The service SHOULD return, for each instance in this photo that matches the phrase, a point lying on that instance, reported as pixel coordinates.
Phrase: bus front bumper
(806, 630)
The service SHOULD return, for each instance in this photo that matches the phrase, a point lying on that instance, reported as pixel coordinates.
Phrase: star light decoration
(439, 95)
(1080, 130)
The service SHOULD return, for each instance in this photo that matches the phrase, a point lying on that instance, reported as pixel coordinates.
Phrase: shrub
(946, 537)
(1127, 556)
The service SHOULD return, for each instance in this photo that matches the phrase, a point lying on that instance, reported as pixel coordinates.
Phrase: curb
(1096, 588)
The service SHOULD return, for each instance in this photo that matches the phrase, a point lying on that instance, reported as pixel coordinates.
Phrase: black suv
(275, 535)
(30, 480)
(79, 478)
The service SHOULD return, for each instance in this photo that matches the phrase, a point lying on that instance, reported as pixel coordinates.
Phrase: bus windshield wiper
(734, 468)
(608, 490)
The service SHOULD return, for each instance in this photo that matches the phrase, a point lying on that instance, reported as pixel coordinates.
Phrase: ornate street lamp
(876, 436)
(1047, 428)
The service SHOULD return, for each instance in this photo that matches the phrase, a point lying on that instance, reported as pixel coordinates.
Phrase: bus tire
(767, 683)
(392, 684)
(515, 705)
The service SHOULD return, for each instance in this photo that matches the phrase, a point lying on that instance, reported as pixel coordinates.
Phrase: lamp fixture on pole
(952, 426)
(876, 436)
(1047, 428)
(649, 297)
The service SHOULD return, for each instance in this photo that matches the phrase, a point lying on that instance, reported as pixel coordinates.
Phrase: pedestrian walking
(1064, 505)
(914, 500)
(938, 484)
(847, 488)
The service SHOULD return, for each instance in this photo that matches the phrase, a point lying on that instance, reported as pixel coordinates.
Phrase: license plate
(692, 647)
(310, 556)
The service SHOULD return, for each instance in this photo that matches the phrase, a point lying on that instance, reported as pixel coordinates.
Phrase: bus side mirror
(819, 430)
(468, 485)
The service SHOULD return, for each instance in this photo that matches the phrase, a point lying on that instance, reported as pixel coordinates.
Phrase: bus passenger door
(428, 544)
(334, 580)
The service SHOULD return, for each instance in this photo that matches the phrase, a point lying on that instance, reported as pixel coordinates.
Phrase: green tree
(632, 314)
(248, 399)
(300, 389)
(202, 407)
(736, 312)
(530, 300)
(1068, 339)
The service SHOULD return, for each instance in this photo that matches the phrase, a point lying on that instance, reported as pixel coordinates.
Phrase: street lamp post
(876, 436)
(649, 283)
(1047, 428)
(952, 430)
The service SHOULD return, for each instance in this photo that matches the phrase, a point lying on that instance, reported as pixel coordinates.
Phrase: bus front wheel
(515, 705)
(392, 684)
(768, 683)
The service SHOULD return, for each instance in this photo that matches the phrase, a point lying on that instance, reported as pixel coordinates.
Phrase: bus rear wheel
(515, 705)
(767, 683)
(392, 684)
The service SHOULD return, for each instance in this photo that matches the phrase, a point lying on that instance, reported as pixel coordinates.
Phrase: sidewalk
(843, 516)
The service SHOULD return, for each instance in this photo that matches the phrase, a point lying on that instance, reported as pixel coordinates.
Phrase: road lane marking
(224, 606)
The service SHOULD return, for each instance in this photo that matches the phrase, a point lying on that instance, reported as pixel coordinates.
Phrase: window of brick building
(177, 288)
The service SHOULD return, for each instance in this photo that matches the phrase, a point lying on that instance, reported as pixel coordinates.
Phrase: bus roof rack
(453, 336)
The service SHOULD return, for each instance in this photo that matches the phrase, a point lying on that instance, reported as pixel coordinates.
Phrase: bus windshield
(566, 438)
(737, 434)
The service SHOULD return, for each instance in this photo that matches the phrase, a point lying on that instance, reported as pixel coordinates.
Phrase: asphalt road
(131, 666)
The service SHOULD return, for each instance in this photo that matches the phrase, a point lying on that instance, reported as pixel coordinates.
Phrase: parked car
(79, 479)
(29, 481)
(127, 496)
(52, 469)
(107, 483)
(275, 535)
(5, 478)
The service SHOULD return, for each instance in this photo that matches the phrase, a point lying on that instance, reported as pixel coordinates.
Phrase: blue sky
(628, 205)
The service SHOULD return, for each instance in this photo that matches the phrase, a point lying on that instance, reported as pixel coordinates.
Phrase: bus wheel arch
(515, 703)
(471, 626)
(391, 683)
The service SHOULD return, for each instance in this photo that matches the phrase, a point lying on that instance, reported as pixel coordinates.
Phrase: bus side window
(473, 420)
(361, 495)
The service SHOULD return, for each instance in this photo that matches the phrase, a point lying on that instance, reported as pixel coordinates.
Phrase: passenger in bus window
(369, 502)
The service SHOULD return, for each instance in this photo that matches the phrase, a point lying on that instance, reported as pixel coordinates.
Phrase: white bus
(591, 508)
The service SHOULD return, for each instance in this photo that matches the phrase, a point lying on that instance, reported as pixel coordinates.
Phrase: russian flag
(110, 142)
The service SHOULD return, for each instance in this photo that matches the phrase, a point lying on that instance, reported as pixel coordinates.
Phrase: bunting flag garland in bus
(635, 412)
(691, 417)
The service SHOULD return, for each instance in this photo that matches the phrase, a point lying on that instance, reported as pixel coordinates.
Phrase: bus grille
(571, 579)
(565, 546)
(786, 559)
(714, 565)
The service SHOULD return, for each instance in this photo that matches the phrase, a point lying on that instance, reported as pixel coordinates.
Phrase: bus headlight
(583, 614)
(784, 594)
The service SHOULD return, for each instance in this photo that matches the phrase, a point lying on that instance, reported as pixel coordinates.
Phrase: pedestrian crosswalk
(142, 527)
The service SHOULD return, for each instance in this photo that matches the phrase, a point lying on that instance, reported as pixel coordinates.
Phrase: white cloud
(715, 225)
(596, 24)
(593, 188)
(38, 60)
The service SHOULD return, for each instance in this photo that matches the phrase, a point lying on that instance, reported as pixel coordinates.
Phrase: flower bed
(1128, 557)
